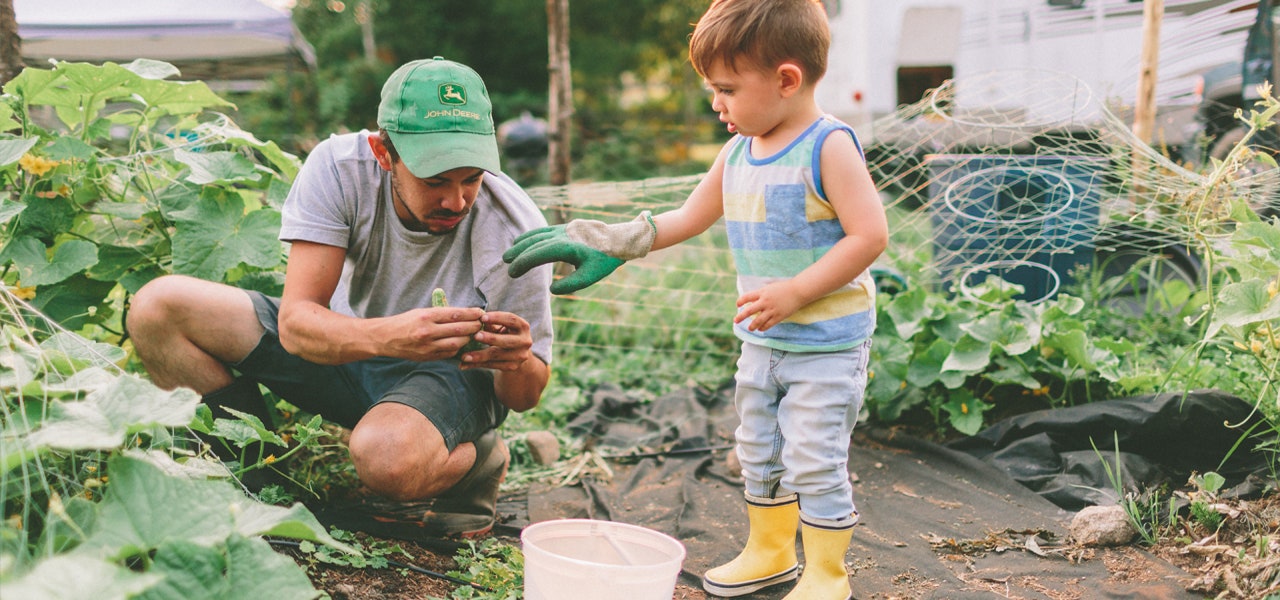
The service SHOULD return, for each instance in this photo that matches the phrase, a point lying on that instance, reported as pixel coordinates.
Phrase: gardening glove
(595, 249)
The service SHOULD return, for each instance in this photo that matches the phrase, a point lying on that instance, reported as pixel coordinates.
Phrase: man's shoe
(467, 510)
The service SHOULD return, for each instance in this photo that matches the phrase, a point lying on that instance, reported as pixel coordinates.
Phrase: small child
(805, 224)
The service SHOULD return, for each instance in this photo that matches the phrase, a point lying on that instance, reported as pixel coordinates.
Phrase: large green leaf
(19, 361)
(286, 163)
(34, 266)
(214, 167)
(8, 118)
(968, 356)
(1243, 303)
(214, 235)
(927, 366)
(239, 569)
(1015, 336)
(115, 261)
(145, 508)
(1012, 372)
(35, 86)
(134, 280)
(106, 418)
(68, 301)
(890, 362)
(178, 97)
(965, 413)
(1075, 345)
(12, 149)
(88, 90)
(46, 218)
(147, 68)
(79, 577)
(84, 353)
(908, 311)
(70, 148)
(9, 210)
(1264, 237)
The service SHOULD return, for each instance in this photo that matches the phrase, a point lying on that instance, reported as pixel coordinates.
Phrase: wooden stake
(1144, 110)
(560, 101)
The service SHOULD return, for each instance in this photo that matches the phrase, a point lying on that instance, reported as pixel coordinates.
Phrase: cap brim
(430, 154)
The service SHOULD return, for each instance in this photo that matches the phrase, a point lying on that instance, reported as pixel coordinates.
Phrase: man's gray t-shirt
(341, 197)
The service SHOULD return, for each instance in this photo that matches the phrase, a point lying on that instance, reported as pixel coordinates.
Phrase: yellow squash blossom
(36, 165)
(24, 293)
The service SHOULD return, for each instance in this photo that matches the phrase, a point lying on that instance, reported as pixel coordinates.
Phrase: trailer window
(915, 82)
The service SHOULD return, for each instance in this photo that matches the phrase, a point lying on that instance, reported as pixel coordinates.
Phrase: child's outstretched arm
(596, 249)
(853, 196)
(703, 207)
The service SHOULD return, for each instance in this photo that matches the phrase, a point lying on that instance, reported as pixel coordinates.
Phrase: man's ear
(380, 152)
(790, 78)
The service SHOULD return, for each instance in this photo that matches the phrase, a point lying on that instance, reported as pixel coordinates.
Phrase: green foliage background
(506, 42)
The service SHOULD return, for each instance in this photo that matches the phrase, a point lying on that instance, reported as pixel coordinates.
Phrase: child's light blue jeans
(797, 413)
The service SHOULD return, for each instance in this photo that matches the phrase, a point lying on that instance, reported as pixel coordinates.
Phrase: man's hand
(509, 342)
(594, 248)
(429, 333)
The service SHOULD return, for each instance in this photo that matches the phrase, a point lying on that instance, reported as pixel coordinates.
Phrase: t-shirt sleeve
(317, 208)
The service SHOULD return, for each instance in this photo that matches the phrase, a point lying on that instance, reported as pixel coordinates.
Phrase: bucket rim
(678, 559)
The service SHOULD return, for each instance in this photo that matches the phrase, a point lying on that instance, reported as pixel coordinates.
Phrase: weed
(1145, 512)
(371, 552)
(493, 565)
(1204, 498)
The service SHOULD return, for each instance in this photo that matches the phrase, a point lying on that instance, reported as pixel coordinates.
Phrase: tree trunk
(10, 43)
(364, 16)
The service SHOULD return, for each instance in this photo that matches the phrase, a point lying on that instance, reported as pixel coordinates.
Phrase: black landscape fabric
(955, 522)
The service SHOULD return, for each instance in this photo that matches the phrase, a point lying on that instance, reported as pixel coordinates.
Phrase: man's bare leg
(399, 453)
(185, 329)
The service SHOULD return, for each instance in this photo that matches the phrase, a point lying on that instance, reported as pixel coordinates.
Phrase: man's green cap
(439, 117)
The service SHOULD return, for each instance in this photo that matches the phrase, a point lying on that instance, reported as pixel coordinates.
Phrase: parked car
(1232, 86)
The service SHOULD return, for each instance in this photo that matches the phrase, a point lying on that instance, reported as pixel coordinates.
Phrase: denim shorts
(797, 411)
(461, 404)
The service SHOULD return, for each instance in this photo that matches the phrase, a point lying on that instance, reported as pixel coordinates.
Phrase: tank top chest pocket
(785, 208)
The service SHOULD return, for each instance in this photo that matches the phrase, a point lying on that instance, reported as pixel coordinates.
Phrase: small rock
(543, 447)
(1102, 526)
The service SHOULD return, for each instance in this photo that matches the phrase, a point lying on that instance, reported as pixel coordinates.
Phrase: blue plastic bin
(1027, 219)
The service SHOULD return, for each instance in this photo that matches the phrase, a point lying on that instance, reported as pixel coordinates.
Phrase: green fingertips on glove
(595, 249)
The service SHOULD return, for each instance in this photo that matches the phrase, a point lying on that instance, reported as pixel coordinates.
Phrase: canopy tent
(231, 44)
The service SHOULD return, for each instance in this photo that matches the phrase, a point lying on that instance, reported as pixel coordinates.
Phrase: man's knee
(398, 454)
(149, 308)
(398, 475)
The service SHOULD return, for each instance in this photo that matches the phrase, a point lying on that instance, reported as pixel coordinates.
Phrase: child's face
(747, 99)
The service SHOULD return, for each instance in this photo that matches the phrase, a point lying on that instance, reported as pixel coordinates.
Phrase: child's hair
(765, 33)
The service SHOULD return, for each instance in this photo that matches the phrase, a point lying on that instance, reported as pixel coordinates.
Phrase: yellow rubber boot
(770, 554)
(825, 577)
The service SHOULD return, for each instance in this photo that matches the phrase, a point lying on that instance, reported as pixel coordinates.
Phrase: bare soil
(1241, 560)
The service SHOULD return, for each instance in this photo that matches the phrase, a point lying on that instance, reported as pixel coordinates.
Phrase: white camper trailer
(888, 53)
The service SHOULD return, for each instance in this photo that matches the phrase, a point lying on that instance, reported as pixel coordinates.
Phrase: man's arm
(310, 330)
(521, 389)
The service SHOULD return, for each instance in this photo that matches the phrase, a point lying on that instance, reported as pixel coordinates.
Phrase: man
(377, 221)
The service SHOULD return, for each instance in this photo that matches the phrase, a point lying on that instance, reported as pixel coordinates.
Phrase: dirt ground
(404, 582)
(1240, 561)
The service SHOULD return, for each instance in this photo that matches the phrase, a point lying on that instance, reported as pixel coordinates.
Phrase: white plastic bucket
(584, 558)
